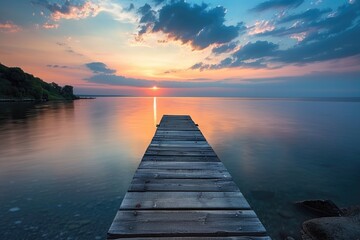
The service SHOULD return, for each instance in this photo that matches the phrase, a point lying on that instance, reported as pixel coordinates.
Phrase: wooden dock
(181, 190)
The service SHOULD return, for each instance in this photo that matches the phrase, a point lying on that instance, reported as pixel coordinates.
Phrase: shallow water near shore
(65, 166)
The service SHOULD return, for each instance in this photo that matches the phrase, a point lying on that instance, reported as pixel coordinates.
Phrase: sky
(258, 48)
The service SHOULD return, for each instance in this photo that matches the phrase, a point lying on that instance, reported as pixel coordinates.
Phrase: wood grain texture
(184, 200)
(182, 165)
(190, 223)
(200, 238)
(181, 158)
(179, 173)
(179, 153)
(182, 185)
(181, 190)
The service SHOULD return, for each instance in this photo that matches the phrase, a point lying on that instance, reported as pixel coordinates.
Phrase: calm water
(65, 167)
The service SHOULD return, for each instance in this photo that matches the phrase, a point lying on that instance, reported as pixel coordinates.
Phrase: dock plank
(181, 158)
(200, 238)
(184, 200)
(182, 165)
(183, 185)
(181, 190)
(180, 173)
(179, 153)
(162, 223)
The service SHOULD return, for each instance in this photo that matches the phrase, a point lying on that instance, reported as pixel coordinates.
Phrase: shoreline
(35, 100)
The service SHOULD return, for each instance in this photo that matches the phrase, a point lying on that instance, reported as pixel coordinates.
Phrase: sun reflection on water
(155, 114)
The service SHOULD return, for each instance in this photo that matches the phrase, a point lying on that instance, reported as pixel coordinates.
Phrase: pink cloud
(9, 27)
(77, 12)
(69, 10)
(50, 26)
(261, 27)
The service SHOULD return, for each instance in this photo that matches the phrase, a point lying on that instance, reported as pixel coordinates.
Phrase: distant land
(103, 95)
(15, 84)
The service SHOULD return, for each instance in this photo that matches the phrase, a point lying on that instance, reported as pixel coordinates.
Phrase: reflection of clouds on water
(88, 150)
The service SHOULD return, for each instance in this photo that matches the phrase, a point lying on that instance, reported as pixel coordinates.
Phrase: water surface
(65, 166)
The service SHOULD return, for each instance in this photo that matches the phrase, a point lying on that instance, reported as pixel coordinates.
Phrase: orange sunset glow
(247, 49)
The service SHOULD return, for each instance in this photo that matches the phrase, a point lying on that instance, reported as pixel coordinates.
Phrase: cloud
(261, 27)
(99, 67)
(261, 53)
(225, 48)
(310, 26)
(309, 15)
(148, 15)
(158, 2)
(255, 50)
(116, 80)
(310, 84)
(276, 4)
(50, 26)
(344, 44)
(110, 79)
(197, 25)
(250, 55)
(9, 27)
(131, 7)
(67, 48)
(69, 10)
(56, 66)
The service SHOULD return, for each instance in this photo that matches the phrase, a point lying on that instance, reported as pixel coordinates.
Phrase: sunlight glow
(154, 88)
(155, 112)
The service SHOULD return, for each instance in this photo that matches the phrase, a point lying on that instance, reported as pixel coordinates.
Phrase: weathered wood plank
(147, 223)
(179, 153)
(178, 128)
(183, 165)
(181, 190)
(178, 173)
(180, 138)
(200, 238)
(177, 143)
(181, 158)
(183, 185)
(180, 149)
(184, 200)
(177, 132)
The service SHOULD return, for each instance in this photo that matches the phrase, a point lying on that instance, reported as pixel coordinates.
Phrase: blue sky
(273, 48)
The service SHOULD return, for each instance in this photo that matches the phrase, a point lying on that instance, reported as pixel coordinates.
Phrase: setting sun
(154, 88)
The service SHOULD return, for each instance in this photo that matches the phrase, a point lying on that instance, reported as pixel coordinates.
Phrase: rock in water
(332, 228)
(323, 208)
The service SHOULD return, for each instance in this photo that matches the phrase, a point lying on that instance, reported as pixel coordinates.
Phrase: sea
(65, 166)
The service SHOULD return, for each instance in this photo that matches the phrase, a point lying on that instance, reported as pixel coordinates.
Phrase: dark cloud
(308, 15)
(261, 53)
(195, 24)
(61, 44)
(275, 4)
(69, 9)
(133, 82)
(56, 66)
(311, 84)
(56, 7)
(110, 79)
(314, 27)
(250, 55)
(131, 7)
(147, 14)
(343, 18)
(68, 48)
(255, 50)
(158, 2)
(344, 44)
(99, 67)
